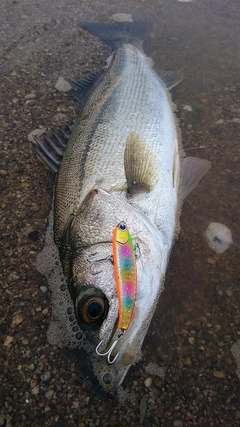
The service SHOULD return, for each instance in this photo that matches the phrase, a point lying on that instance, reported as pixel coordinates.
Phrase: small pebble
(218, 374)
(46, 376)
(31, 95)
(62, 85)
(12, 277)
(229, 292)
(35, 390)
(211, 261)
(59, 117)
(8, 341)
(187, 107)
(122, 17)
(187, 361)
(49, 393)
(143, 407)
(191, 340)
(43, 288)
(17, 319)
(148, 382)
(219, 237)
(219, 122)
(236, 120)
(36, 132)
(158, 383)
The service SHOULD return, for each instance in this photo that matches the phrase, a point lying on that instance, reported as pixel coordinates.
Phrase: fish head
(92, 286)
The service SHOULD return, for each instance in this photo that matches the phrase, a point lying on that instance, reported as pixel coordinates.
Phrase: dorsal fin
(51, 145)
(82, 88)
(140, 164)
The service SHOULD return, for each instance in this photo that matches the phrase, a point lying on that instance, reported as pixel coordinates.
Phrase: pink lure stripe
(125, 271)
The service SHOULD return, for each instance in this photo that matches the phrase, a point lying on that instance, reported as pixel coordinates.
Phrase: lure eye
(122, 226)
(92, 309)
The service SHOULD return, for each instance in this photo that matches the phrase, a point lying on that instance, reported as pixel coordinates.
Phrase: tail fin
(116, 35)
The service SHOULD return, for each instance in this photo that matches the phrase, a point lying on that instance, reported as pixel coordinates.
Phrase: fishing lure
(125, 271)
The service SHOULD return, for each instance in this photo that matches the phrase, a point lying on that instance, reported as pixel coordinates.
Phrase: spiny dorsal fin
(82, 88)
(140, 164)
(51, 145)
(193, 169)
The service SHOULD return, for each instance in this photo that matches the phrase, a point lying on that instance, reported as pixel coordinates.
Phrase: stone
(218, 374)
(148, 382)
(62, 85)
(8, 340)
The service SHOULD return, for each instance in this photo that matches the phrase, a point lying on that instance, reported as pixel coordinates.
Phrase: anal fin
(193, 169)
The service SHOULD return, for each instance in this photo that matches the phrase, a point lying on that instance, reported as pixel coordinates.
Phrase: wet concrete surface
(197, 320)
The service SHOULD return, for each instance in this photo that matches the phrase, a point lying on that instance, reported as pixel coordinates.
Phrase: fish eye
(122, 226)
(92, 309)
(95, 309)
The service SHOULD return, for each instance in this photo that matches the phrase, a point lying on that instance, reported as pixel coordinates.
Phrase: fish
(121, 178)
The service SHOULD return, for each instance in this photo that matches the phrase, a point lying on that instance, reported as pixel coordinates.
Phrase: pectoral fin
(193, 169)
(140, 164)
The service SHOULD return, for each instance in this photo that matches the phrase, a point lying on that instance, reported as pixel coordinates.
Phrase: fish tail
(117, 34)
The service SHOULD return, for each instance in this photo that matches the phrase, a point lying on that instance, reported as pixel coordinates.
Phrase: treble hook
(109, 352)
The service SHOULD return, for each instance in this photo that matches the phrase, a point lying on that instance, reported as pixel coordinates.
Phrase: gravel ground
(197, 320)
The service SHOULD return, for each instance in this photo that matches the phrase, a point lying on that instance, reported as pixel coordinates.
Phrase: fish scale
(103, 140)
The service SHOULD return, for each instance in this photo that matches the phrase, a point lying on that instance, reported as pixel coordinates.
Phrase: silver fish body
(122, 163)
(129, 99)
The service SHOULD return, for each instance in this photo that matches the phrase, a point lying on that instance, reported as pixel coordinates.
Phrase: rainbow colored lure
(125, 270)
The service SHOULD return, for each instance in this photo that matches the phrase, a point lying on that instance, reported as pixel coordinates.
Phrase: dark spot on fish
(107, 378)
(69, 310)
(71, 317)
(60, 303)
(75, 328)
(78, 335)
(63, 287)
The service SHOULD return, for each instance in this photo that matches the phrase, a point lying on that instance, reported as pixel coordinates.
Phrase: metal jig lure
(125, 271)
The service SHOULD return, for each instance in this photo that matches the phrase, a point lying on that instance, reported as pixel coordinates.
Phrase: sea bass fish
(121, 180)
